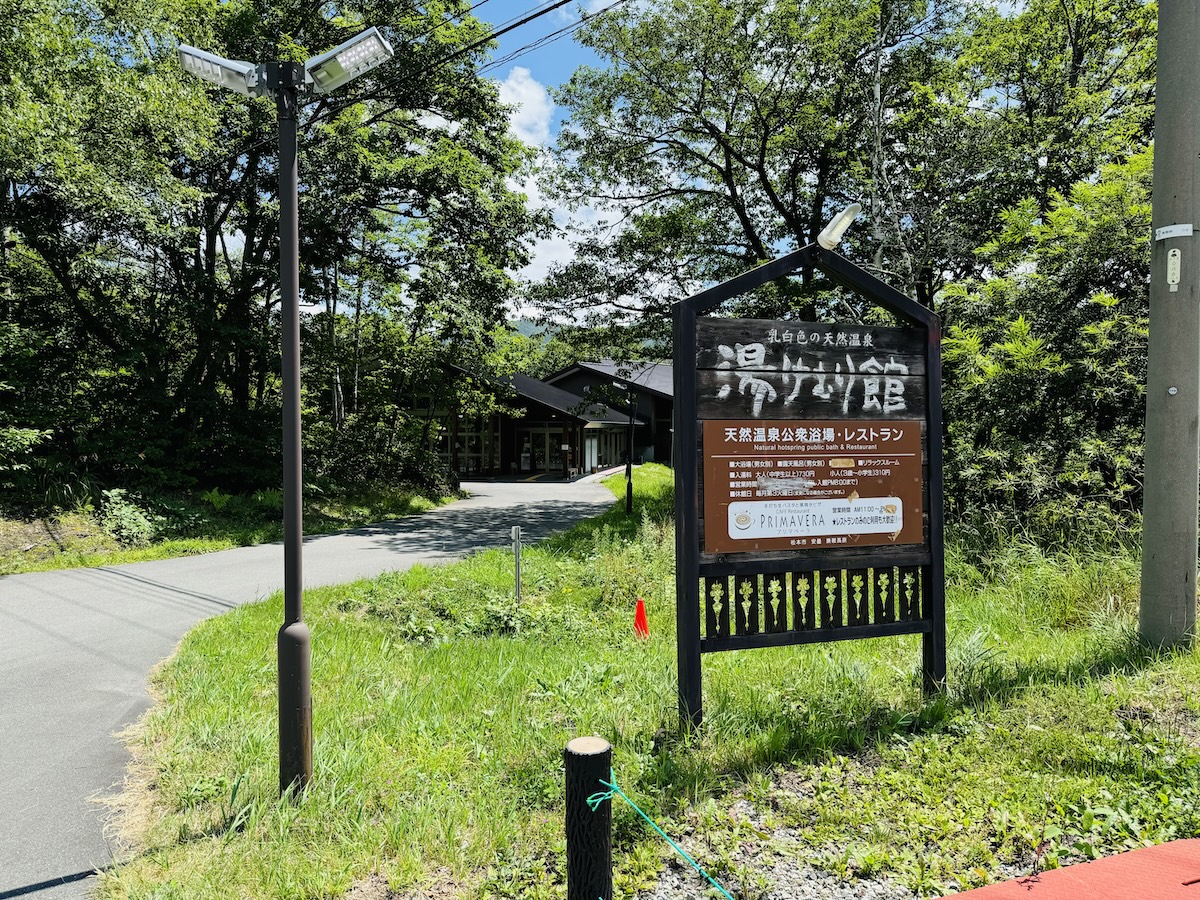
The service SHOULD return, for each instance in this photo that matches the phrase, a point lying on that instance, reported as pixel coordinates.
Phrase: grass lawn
(130, 529)
(441, 710)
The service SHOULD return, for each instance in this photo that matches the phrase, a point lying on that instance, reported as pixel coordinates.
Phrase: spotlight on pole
(832, 235)
(231, 74)
(347, 61)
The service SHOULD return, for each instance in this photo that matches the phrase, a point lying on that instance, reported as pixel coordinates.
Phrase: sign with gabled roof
(808, 467)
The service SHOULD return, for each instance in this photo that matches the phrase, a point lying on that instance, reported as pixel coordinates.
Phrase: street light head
(232, 74)
(832, 235)
(347, 61)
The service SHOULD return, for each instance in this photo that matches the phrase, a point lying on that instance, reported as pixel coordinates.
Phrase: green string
(599, 797)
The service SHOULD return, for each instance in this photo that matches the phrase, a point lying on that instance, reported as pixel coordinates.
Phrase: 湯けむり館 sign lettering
(752, 368)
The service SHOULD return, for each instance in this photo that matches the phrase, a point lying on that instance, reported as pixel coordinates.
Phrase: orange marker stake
(641, 627)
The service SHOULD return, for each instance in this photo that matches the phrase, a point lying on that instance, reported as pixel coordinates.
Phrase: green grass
(133, 529)
(441, 710)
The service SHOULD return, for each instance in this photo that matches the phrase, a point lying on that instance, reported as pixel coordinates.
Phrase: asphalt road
(76, 647)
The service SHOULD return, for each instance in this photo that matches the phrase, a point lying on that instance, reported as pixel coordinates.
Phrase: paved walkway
(77, 646)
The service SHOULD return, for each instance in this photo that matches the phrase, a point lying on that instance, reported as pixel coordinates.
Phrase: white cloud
(555, 250)
(436, 122)
(531, 120)
(533, 110)
(569, 15)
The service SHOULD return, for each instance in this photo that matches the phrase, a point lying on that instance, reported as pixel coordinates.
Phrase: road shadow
(49, 884)
(463, 527)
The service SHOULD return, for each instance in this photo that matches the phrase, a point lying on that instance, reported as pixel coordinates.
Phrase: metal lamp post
(628, 389)
(629, 462)
(287, 82)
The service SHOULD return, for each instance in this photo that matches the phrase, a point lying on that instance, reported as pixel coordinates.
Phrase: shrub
(124, 519)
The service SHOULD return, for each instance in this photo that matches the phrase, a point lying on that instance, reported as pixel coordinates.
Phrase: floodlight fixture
(347, 61)
(832, 235)
(234, 74)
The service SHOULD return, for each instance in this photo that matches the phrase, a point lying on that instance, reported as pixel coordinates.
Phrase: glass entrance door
(539, 452)
(540, 449)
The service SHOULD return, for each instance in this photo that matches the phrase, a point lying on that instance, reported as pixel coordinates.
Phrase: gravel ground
(774, 879)
(770, 868)
(766, 862)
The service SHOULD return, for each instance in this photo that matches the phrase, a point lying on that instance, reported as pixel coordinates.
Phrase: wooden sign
(808, 476)
(751, 368)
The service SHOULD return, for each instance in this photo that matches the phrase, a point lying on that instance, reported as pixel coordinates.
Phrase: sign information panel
(758, 368)
(789, 484)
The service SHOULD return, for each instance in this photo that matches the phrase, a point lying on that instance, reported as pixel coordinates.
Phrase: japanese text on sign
(759, 368)
(789, 484)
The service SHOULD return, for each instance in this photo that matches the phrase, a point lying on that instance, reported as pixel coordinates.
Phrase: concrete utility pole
(1168, 606)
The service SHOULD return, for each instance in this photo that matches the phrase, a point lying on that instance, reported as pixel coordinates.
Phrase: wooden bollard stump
(589, 834)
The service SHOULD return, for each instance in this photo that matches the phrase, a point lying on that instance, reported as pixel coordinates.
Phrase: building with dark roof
(549, 428)
(650, 384)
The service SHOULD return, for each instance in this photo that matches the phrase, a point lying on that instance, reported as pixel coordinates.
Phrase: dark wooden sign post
(808, 476)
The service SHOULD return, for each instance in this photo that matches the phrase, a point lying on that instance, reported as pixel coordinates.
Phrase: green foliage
(214, 497)
(710, 146)
(423, 606)
(139, 266)
(1005, 163)
(15, 447)
(709, 149)
(602, 566)
(1069, 87)
(122, 516)
(17, 440)
(163, 527)
(1046, 366)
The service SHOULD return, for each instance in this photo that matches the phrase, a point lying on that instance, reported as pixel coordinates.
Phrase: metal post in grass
(629, 461)
(294, 644)
(589, 834)
(632, 402)
(516, 545)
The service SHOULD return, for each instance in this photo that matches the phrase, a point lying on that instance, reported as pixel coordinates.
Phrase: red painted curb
(1165, 872)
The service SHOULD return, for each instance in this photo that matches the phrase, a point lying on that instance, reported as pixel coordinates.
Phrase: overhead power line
(530, 15)
(444, 22)
(524, 18)
(547, 39)
(511, 25)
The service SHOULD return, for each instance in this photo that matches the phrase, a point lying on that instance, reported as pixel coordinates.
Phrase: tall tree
(92, 121)
(723, 134)
(1046, 362)
(142, 206)
(405, 201)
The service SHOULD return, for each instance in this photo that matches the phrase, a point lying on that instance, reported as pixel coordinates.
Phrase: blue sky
(525, 81)
(524, 84)
(551, 64)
